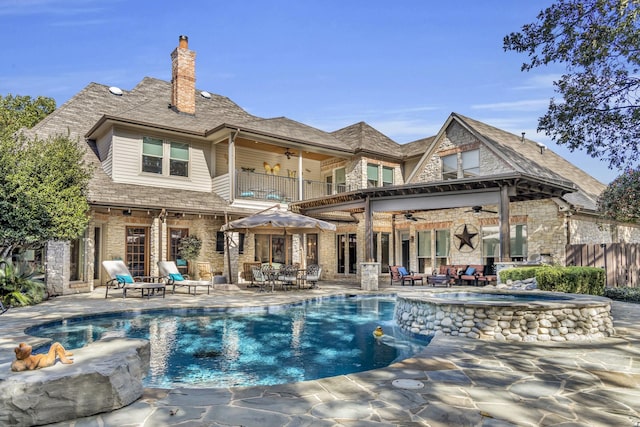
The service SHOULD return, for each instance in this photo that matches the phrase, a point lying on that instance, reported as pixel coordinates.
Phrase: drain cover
(408, 384)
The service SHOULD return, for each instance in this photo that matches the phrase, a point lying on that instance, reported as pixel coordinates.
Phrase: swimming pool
(245, 347)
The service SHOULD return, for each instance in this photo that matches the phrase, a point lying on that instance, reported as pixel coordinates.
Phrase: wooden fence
(621, 261)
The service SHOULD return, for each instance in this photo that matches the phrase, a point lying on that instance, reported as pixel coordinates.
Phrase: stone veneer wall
(539, 321)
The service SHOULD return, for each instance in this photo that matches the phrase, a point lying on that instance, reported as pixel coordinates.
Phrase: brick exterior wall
(183, 78)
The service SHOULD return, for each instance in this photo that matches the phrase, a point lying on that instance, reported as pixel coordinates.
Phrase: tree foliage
(619, 201)
(599, 42)
(189, 247)
(17, 112)
(43, 183)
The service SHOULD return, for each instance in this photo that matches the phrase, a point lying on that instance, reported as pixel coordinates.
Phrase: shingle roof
(149, 103)
(417, 147)
(529, 157)
(82, 111)
(362, 137)
(291, 129)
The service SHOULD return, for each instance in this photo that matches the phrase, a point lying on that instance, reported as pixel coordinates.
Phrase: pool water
(272, 345)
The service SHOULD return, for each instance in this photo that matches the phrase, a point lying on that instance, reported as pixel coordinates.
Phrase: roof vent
(115, 91)
(205, 94)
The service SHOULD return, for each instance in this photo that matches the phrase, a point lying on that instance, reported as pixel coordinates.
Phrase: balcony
(281, 189)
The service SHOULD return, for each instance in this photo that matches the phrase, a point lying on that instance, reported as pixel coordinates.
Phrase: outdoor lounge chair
(400, 274)
(120, 277)
(169, 271)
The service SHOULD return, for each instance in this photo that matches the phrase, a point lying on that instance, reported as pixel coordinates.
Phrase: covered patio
(496, 190)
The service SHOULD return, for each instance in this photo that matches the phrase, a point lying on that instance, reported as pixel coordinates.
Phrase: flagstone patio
(456, 381)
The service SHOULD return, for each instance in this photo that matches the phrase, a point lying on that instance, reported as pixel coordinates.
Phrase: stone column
(57, 272)
(369, 276)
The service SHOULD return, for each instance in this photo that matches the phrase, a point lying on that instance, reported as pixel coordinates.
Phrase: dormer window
(165, 157)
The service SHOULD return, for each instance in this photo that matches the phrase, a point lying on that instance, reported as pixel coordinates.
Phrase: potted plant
(189, 248)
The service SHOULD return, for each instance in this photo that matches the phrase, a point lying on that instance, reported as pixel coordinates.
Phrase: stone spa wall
(578, 317)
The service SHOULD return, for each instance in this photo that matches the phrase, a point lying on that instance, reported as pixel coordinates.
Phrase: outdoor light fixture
(288, 154)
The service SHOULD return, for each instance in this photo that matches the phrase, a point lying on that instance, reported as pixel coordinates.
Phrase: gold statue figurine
(25, 361)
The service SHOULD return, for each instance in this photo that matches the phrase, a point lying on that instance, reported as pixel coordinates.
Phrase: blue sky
(402, 66)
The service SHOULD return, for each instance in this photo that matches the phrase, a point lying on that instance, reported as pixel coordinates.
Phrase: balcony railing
(274, 188)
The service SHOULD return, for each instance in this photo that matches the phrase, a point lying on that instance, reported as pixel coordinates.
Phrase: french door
(137, 251)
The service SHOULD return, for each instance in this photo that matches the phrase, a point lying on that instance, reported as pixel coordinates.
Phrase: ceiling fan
(409, 216)
(478, 209)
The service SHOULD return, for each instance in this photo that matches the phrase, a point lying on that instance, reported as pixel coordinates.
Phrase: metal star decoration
(465, 238)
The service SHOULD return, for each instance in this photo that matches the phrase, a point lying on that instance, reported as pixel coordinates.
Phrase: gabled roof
(523, 155)
(361, 137)
(528, 156)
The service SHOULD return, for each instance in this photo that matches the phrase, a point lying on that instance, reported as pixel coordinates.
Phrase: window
(443, 239)
(372, 176)
(491, 243)
(312, 249)
(159, 156)
(424, 244)
(387, 176)
(341, 180)
(240, 243)
(471, 163)
(385, 247)
(179, 159)
(329, 184)
(450, 167)
(270, 248)
(220, 242)
(152, 150)
(519, 242)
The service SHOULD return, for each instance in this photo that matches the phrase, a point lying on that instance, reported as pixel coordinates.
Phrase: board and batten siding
(127, 161)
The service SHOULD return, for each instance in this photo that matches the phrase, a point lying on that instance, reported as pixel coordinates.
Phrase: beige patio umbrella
(273, 221)
(277, 222)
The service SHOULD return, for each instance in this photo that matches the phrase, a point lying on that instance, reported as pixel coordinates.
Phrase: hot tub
(506, 316)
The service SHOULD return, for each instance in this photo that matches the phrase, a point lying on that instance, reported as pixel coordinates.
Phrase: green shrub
(624, 293)
(18, 286)
(521, 273)
(577, 280)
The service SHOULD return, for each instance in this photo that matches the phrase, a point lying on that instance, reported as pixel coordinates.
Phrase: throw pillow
(403, 271)
(176, 277)
(124, 278)
(470, 271)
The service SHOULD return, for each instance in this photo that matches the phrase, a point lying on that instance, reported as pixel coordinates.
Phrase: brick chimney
(183, 77)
